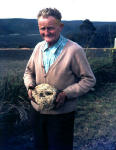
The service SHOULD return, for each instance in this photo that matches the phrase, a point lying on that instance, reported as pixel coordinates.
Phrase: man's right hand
(30, 95)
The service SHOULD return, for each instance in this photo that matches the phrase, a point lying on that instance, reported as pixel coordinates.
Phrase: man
(61, 63)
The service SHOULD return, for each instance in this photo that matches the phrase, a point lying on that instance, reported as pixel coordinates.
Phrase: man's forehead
(49, 19)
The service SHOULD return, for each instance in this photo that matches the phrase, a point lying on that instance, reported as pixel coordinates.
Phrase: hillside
(28, 26)
(24, 32)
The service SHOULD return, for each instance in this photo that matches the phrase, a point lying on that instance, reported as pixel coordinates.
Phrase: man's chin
(48, 40)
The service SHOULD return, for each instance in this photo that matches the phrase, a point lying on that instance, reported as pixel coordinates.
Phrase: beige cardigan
(70, 72)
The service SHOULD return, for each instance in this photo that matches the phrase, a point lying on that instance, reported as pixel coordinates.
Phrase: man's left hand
(60, 99)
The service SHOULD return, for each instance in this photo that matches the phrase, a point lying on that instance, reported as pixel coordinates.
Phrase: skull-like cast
(45, 95)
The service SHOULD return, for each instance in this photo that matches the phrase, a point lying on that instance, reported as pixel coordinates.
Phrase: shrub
(14, 104)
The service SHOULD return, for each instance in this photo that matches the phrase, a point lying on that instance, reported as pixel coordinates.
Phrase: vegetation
(93, 34)
(14, 103)
(95, 122)
(24, 33)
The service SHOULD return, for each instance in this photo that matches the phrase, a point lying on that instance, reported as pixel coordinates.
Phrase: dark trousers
(53, 132)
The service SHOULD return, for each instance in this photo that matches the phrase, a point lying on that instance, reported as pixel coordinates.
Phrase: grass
(96, 111)
(96, 116)
(12, 67)
(14, 103)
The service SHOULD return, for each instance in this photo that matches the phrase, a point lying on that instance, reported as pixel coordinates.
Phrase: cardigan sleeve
(82, 70)
(29, 74)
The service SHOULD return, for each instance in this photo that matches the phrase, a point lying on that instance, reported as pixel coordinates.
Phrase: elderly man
(61, 63)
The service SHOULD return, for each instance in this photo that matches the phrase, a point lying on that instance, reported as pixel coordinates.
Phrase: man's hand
(60, 99)
(30, 95)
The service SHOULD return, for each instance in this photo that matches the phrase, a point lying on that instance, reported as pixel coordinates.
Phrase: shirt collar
(55, 46)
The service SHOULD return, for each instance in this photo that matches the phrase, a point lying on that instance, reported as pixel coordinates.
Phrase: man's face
(50, 29)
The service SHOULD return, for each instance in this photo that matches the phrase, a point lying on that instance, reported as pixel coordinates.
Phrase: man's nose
(46, 31)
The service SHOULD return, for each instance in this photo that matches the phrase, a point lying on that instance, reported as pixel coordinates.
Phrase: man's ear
(61, 26)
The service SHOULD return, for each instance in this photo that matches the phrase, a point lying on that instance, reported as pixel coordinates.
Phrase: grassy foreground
(95, 121)
(96, 118)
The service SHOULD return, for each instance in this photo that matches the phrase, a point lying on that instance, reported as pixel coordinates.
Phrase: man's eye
(42, 29)
(47, 28)
(50, 28)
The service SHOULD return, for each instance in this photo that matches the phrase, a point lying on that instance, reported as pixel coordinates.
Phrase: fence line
(91, 52)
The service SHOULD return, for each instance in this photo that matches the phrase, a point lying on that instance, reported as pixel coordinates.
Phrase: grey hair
(50, 12)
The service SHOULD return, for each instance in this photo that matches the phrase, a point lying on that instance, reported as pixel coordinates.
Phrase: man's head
(50, 26)
(50, 12)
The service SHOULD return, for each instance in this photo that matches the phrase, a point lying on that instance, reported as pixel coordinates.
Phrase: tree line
(89, 36)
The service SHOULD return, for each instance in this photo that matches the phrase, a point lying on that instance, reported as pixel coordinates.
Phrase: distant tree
(108, 32)
(87, 31)
(87, 26)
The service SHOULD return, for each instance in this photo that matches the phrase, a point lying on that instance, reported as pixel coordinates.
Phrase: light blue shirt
(50, 54)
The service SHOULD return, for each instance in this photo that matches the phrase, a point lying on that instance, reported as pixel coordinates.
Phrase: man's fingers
(60, 99)
(30, 94)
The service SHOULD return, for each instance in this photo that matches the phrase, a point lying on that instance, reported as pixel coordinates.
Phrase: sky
(94, 10)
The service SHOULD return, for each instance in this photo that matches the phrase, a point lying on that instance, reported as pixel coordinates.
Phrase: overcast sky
(94, 10)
